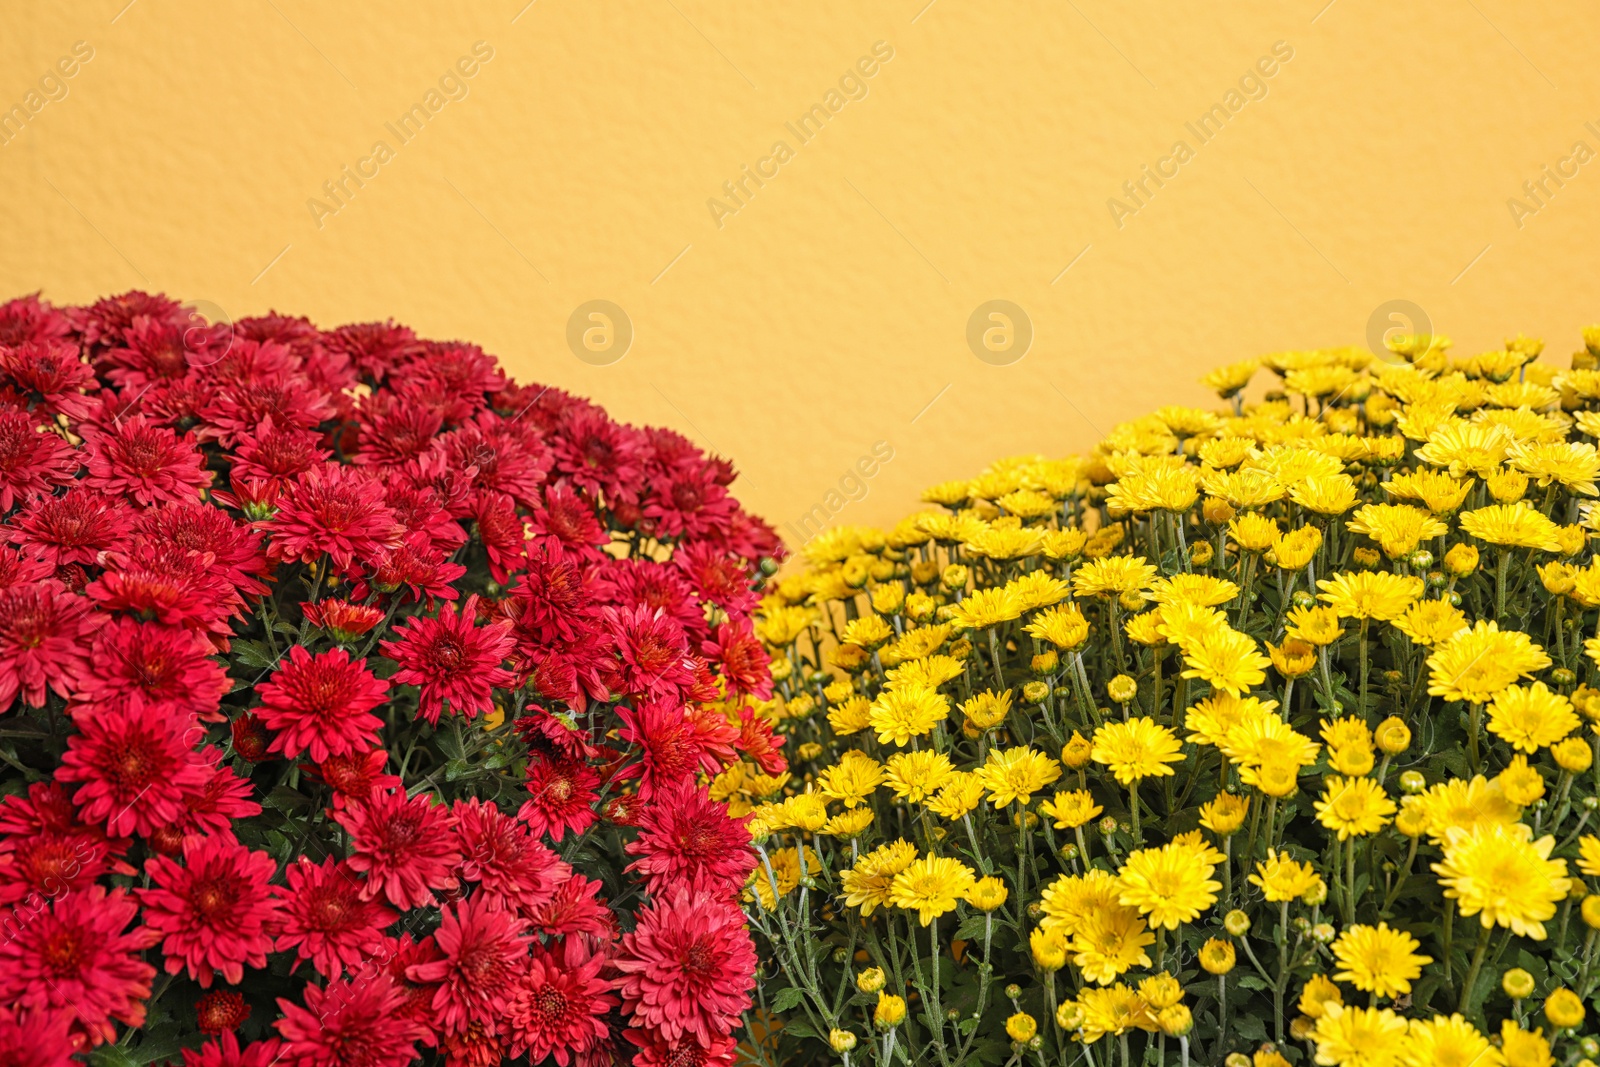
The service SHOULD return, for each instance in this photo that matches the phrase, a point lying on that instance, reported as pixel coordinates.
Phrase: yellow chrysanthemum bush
(1260, 732)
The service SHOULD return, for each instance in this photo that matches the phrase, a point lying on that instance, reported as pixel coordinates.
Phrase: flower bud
(1236, 1059)
(870, 980)
(889, 1012)
(1046, 662)
(1021, 1026)
(1069, 1016)
(954, 577)
(1589, 1047)
(1300, 1029)
(1323, 933)
(1175, 1020)
(1236, 923)
(1573, 755)
(1036, 692)
(1591, 911)
(1413, 782)
(1132, 600)
(1315, 896)
(1422, 559)
(1517, 983)
(1461, 560)
(1217, 957)
(1563, 676)
(1077, 751)
(841, 1040)
(1393, 736)
(1201, 553)
(1563, 1009)
(1122, 689)
(1013, 991)
(1217, 511)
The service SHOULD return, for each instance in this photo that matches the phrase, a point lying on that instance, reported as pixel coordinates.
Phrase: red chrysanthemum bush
(357, 705)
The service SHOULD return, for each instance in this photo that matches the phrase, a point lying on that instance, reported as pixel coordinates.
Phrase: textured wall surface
(825, 310)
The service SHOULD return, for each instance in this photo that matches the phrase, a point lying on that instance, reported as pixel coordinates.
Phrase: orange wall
(830, 311)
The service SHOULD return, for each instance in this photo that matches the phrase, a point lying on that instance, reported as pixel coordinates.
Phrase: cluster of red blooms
(338, 674)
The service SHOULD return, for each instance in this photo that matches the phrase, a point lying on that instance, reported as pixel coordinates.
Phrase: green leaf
(253, 654)
(112, 1056)
(786, 999)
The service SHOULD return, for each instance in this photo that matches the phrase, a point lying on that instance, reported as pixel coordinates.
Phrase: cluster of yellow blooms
(1268, 732)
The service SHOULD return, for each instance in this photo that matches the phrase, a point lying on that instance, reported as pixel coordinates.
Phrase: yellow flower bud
(1069, 1016)
(987, 894)
(1049, 950)
(1077, 751)
(1035, 692)
(1517, 983)
(1161, 990)
(1217, 956)
(870, 980)
(1046, 662)
(1175, 1020)
(1367, 558)
(1461, 560)
(1563, 1009)
(1216, 510)
(889, 1012)
(841, 1040)
(1294, 658)
(1021, 1026)
(1590, 908)
(1201, 553)
(1573, 755)
(954, 577)
(1236, 923)
(1393, 735)
(1122, 689)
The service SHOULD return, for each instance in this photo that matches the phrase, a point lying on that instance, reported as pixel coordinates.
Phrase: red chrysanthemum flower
(504, 535)
(42, 630)
(272, 455)
(165, 582)
(134, 765)
(220, 1011)
(74, 954)
(147, 663)
(576, 909)
(28, 318)
(656, 1051)
(482, 948)
(222, 797)
(216, 912)
(652, 650)
(395, 428)
(636, 583)
(688, 500)
(420, 566)
(686, 838)
(33, 461)
(356, 775)
(405, 847)
(37, 1039)
(501, 456)
(340, 619)
(50, 374)
(687, 967)
(452, 660)
(597, 454)
(349, 1024)
(513, 869)
(225, 1051)
(673, 751)
(326, 919)
(559, 1003)
(147, 463)
(250, 737)
(374, 348)
(568, 519)
(233, 547)
(741, 659)
(758, 741)
(74, 528)
(563, 797)
(335, 510)
(321, 704)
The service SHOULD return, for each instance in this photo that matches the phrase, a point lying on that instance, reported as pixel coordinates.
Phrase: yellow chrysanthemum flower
(1573, 464)
(1282, 878)
(1110, 941)
(1170, 885)
(1353, 807)
(1504, 876)
(1447, 1041)
(1378, 959)
(867, 884)
(1376, 595)
(1331, 494)
(852, 780)
(1431, 622)
(1202, 590)
(916, 776)
(1398, 528)
(898, 715)
(960, 793)
(931, 886)
(1071, 809)
(1477, 664)
(1015, 774)
(983, 608)
(1063, 626)
(1139, 748)
(1358, 1037)
(1529, 718)
(1113, 576)
(1226, 659)
(1518, 525)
